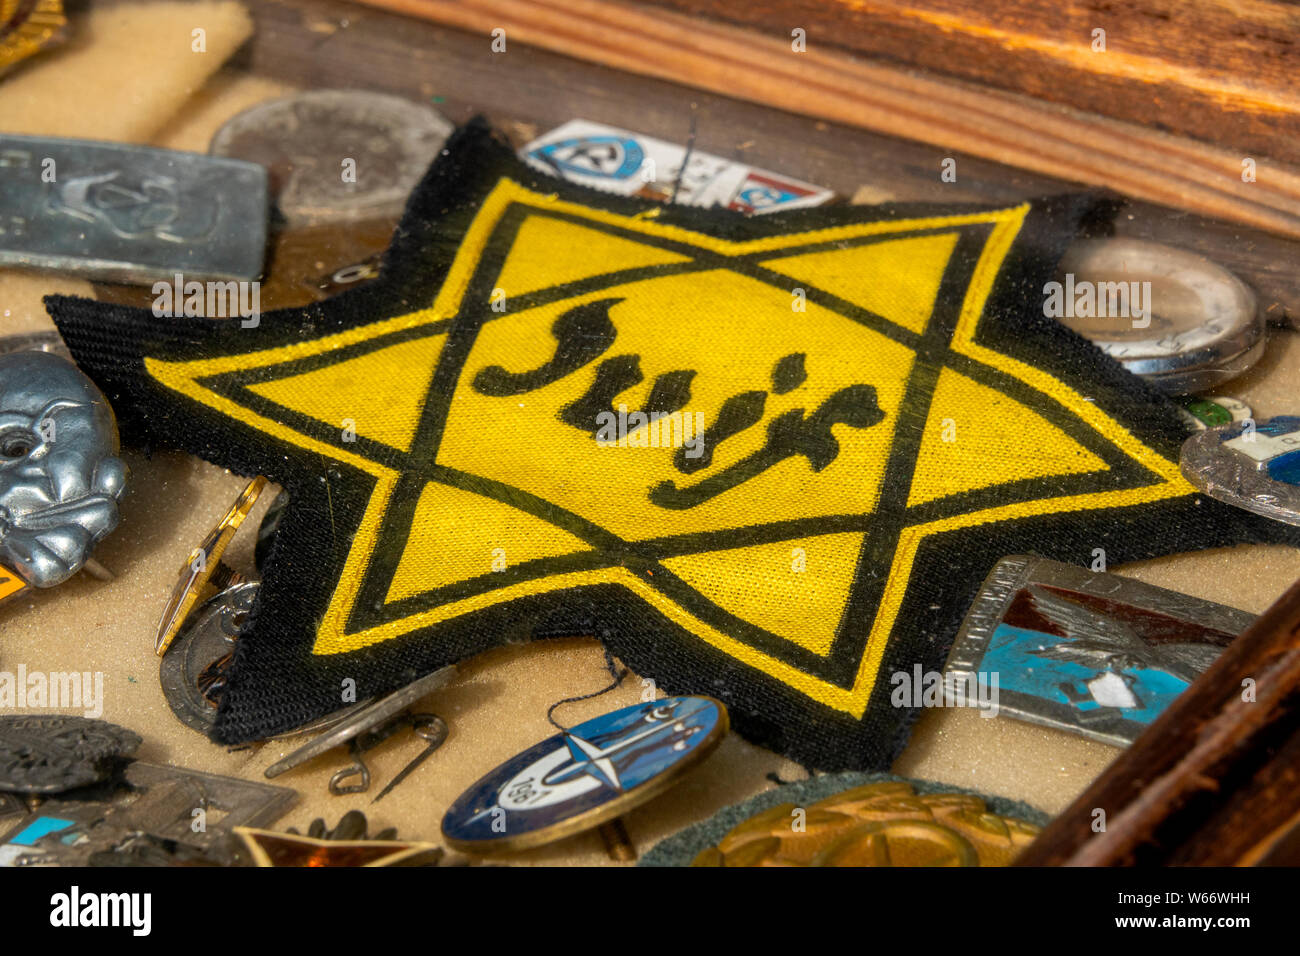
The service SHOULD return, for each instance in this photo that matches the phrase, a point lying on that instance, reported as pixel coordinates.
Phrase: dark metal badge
(53, 753)
(1092, 653)
(167, 814)
(588, 775)
(1252, 465)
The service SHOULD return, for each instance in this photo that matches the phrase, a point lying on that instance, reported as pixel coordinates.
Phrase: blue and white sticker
(616, 157)
(633, 164)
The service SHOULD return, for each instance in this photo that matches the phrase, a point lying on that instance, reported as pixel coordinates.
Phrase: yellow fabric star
(873, 419)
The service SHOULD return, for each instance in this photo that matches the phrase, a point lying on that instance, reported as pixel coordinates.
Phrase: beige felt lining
(498, 705)
(21, 292)
(124, 71)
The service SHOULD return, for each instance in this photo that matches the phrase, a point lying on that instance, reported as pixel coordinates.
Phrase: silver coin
(53, 753)
(1175, 318)
(1190, 379)
(1252, 465)
(337, 154)
(193, 670)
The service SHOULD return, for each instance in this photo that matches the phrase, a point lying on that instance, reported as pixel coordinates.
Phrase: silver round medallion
(1183, 323)
(192, 671)
(337, 154)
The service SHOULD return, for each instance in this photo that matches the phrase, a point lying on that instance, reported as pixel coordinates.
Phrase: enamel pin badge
(588, 775)
(1253, 466)
(1088, 652)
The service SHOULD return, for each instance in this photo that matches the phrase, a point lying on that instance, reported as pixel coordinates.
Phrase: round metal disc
(1256, 468)
(1204, 327)
(203, 648)
(593, 773)
(1188, 381)
(207, 638)
(337, 154)
(53, 753)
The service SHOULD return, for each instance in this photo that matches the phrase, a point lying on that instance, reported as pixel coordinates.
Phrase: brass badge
(26, 26)
(877, 824)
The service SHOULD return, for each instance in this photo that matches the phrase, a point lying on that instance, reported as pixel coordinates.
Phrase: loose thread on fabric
(614, 672)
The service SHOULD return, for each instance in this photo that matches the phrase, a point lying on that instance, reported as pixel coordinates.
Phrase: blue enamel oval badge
(586, 776)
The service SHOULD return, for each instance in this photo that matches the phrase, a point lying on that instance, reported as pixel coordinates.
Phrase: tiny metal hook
(358, 769)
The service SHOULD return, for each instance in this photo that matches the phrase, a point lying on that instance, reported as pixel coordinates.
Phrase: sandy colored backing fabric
(499, 704)
(125, 71)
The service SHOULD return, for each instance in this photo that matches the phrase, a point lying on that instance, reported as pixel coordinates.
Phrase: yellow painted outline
(332, 637)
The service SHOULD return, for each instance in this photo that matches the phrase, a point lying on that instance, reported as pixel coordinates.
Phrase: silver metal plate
(129, 213)
(1091, 653)
(60, 475)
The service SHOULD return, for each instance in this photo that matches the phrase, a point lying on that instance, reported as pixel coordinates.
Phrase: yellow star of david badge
(765, 459)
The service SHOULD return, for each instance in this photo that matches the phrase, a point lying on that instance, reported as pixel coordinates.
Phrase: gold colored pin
(618, 843)
(204, 574)
(26, 26)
